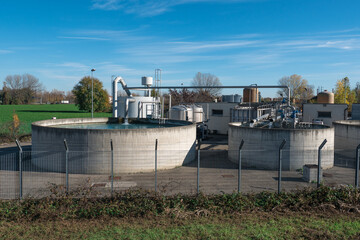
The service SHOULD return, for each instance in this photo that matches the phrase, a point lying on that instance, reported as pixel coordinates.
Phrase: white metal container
(198, 113)
(147, 81)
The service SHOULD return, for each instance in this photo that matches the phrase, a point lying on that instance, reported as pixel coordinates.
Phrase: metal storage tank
(251, 95)
(142, 107)
(325, 97)
(198, 113)
(261, 146)
(227, 98)
(182, 112)
(237, 98)
(147, 81)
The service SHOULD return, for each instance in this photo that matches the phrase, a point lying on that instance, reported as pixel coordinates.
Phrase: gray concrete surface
(133, 148)
(261, 146)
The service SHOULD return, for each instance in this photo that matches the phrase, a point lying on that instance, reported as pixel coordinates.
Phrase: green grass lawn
(31, 113)
(257, 225)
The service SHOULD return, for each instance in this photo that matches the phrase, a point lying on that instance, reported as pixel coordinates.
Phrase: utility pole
(92, 93)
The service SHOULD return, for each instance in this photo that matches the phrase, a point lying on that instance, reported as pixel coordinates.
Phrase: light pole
(92, 92)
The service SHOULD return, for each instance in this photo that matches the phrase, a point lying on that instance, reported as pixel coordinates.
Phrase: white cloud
(5, 51)
(148, 8)
(86, 38)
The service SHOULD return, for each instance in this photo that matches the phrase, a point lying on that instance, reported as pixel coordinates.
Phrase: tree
(343, 92)
(207, 79)
(82, 92)
(299, 87)
(21, 89)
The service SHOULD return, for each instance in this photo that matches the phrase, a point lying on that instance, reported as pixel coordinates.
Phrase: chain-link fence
(211, 169)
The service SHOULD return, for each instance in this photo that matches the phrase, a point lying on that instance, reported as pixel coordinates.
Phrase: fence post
(66, 165)
(280, 164)
(20, 169)
(198, 168)
(156, 145)
(357, 167)
(319, 162)
(239, 170)
(112, 167)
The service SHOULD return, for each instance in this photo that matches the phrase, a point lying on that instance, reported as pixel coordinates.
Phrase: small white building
(218, 115)
(325, 112)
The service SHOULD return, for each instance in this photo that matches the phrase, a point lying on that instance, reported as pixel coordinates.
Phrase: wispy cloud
(86, 38)
(2, 51)
(147, 8)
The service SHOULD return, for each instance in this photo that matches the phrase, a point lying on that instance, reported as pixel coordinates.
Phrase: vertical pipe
(112, 167)
(239, 170)
(66, 165)
(20, 169)
(198, 168)
(169, 106)
(319, 162)
(92, 94)
(357, 167)
(156, 145)
(280, 165)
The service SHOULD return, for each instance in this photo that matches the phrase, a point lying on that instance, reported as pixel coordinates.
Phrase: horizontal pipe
(182, 87)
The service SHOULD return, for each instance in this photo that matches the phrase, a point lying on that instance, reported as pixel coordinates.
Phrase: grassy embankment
(324, 213)
(31, 113)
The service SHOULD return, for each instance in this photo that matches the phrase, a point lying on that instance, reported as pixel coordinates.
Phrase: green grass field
(31, 113)
(257, 225)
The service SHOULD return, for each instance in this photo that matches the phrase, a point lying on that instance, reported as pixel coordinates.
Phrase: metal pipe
(169, 106)
(239, 169)
(127, 108)
(319, 162)
(194, 87)
(357, 167)
(20, 169)
(280, 164)
(112, 166)
(156, 145)
(198, 168)
(66, 165)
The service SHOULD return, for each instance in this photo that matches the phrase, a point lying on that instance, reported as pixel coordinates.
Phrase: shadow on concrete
(213, 159)
(289, 179)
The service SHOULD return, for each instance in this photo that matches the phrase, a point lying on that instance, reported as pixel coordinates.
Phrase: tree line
(27, 89)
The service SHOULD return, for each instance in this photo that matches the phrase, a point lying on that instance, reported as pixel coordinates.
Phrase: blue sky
(241, 41)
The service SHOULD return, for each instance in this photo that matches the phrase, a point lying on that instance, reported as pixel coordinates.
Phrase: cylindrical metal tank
(147, 81)
(182, 113)
(251, 95)
(237, 98)
(227, 98)
(325, 97)
(142, 107)
(198, 113)
(261, 146)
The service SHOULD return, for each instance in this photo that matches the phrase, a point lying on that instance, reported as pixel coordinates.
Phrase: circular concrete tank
(347, 138)
(261, 147)
(90, 151)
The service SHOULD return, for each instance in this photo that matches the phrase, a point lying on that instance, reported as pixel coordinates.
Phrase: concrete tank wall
(261, 146)
(90, 148)
(347, 138)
